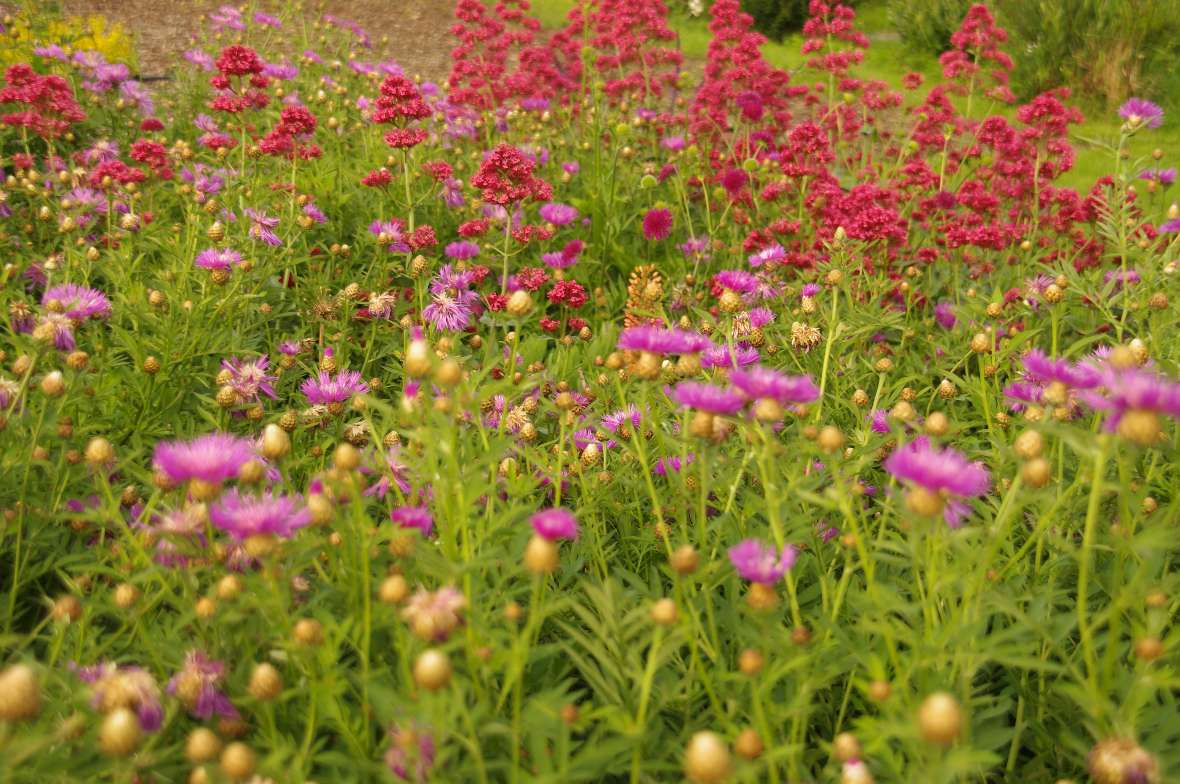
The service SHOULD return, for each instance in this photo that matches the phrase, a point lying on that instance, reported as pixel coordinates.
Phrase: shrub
(1104, 51)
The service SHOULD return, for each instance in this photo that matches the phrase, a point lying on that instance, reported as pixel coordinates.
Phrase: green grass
(889, 59)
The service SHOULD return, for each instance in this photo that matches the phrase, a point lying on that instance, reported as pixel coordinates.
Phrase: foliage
(621, 426)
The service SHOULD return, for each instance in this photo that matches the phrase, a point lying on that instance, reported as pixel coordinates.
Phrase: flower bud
(275, 442)
(663, 612)
(202, 745)
(120, 732)
(20, 693)
(265, 682)
(418, 359)
(540, 555)
(432, 670)
(520, 304)
(53, 384)
(237, 761)
(940, 719)
(706, 759)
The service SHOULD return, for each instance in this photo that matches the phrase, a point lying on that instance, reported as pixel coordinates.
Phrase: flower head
(657, 224)
(243, 516)
(417, 517)
(326, 389)
(77, 302)
(761, 563)
(938, 474)
(212, 458)
(196, 686)
(759, 382)
(555, 523)
(113, 686)
(1141, 112)
(659, 340)
(708, 397)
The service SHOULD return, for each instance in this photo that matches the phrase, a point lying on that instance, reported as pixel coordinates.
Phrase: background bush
(1105, 51)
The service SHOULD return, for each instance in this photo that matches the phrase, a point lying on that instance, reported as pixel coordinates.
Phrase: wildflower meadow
(593, 414)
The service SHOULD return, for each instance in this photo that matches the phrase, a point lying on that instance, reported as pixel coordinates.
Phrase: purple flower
(267, 20)
(696, 249)
(809, 290)
(134, 688)
(761, 563)
(1120, 278)
(57, 328)
(315, 213)
(759, 382)
(214, 259)
(879, 420)
(462, 250)
(1134, 389)
(1170, 227)
(554, 524)
(411, 754)
(944, 314)
(721, 356)
(326, 389)
(657, 224)
(558, 214)
(212, 458)
(262, 227)
(1040, 368)
(673, 463)
(616, 419)
(243, 516)
(451, 300)
(249, 379)
(196, 686)
(942, 472)
(1024, 392)
(771, 255)
(708, 397)
(759, 317)
(417, 517)
(673, 143)
(659, 340)
(77, 302)
(736, 280)
(1162, 176)
(392, 234)
(1139, 111)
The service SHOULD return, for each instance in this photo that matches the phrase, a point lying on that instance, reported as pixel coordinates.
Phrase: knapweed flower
(262, 227)
(77, 302)
(113, 687)
(1162, 176)
(944, 314)
(1141, 112)
(657, 224)
(248, 378)
(211, 458)
(759, 382)
(708, 397)
(553, 524)
(417, 517)
(1135, 398)
(659, 340)
(462, 250)
(410, 756)
(937, 479)
(761, 563)
(737, 281)
(433, 615)
(773, 254)
(218, 259)
(327, 389)
(723, 356)
(197, 684)
(244, 516)
(452, 302)
(55, 328)
(558, 214)
(1040, 368)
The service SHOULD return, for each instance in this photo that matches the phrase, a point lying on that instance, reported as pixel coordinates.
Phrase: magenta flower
(214, 259)
(657, 224)
(554, 524)
(243, 516)
(761, 563)
(417, 517)
(708, 397)
(249, 379)
(262, 227)
(1139, 111)
(113, 686)
(944, 472)
(558, 214)
(462, 250)
(759, 382)
(659, 340)
(736, 280)
(944, 314)
(1134, 389)
(771, 255)
(326, 389)
(879, 420)
(1040, 368)
(196, 686)
(741, 355)
(78, 302)
(410, 756)
(56, 327)
(212, 458)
